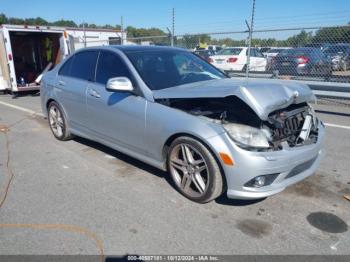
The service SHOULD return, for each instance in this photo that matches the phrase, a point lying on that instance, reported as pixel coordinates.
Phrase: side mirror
(121, 84)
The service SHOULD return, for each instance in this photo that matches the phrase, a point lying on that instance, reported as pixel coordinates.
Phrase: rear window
(84, 65)
(230, 51)
(276, 50)
(296, 52)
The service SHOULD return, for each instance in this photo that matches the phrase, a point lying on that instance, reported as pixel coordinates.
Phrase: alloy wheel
(189, 170)
(56, 121)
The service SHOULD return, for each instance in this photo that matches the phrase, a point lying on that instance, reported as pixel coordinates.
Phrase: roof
(44, 27)
(142, 48)
(87, 29)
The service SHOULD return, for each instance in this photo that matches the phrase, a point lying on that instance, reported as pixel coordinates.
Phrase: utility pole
(173, 28)
(122, 30)
(250, 28)
(84, 33)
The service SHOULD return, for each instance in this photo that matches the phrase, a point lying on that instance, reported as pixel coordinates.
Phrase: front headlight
(247, 136)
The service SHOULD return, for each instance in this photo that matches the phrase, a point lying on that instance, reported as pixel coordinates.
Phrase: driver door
(115, 117)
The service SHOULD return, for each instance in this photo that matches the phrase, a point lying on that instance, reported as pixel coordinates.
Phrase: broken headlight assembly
(248, 137)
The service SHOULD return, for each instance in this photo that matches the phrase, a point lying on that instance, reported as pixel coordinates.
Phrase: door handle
(94, 93)
(61, 83)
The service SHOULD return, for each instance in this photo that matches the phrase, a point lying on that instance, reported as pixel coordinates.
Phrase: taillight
(303, 60)
(232, 60)
(10, 57)
(210, 60)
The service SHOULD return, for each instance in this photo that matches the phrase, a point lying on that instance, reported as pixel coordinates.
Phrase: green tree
(332, 35)
(15, 21)
(300, 39)
(3, 19)
(64, 23)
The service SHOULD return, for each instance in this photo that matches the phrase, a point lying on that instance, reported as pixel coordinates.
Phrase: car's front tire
(57, 122)
(194, 170)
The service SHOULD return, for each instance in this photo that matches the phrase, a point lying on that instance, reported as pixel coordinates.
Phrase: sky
(191, 16)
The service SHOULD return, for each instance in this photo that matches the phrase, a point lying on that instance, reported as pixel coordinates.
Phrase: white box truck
(93, 37)
(26, 51)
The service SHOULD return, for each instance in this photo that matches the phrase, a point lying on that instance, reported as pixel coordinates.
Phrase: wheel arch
(48, 102)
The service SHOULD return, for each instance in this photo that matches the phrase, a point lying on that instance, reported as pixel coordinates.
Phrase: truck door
(4, 69)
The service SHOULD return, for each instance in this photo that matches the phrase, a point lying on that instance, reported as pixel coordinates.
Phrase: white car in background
(235, 59)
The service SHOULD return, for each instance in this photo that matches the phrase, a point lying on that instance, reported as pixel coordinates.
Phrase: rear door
(73, 79)
(115, 117)
(258, 61)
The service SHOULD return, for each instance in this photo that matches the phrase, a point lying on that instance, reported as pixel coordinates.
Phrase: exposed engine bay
(294, 126)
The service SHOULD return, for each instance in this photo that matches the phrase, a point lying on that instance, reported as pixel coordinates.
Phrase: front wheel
(57, 122)
(194, 170)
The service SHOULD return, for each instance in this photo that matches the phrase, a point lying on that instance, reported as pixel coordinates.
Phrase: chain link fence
(308, 53)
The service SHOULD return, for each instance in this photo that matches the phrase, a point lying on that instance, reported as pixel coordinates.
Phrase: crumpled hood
(263, 96)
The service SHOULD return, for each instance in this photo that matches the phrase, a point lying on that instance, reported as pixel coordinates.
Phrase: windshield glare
(164, 69)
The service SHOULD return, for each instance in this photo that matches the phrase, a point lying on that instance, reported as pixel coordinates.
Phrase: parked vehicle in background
(302, 61)
(205, 54)
(320, 46)
(264, 50)
(270, 54)
(171, 109)
(27, 51)
(214, 48)
(235, 59)
(339, 55)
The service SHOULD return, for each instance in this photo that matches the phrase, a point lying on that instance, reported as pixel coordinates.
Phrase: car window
(258, 53)
(84, 65)
(252, 52)
(66, 67)
(110, 65)
(230, 51)
(296, 52)
(275, 50)
(168, 68)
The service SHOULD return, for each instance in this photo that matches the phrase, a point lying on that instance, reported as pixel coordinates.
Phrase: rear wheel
(57, 122)
(194, 170)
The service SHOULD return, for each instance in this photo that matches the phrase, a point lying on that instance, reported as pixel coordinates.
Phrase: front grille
(287, 125)
(291, 126)
(301, 168)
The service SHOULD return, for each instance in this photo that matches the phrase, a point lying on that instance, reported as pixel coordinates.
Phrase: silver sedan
(173, 110)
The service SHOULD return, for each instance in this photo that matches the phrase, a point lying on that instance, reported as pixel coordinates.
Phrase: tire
(344, 67)
(57, 122)
(184, 171)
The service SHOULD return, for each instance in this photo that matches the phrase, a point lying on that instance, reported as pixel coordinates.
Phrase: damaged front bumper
(285, 167)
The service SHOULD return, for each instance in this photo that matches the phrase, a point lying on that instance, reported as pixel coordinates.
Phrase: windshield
(230, 51)
(168, 68)
(336, 49)
(296, 52)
